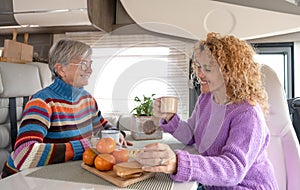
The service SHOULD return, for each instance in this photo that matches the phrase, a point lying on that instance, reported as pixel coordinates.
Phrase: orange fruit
(106, 145)
(89, 156)
(121, 155)
(104, 162)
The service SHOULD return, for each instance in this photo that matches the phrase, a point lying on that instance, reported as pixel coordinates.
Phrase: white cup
(114, 134)
(168, 104)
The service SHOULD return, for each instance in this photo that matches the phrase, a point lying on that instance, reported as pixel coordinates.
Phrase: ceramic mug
(168, 104)
(115, 134)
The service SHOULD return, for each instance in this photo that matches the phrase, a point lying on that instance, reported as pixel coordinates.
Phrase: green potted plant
(145, 106)
(145, 126)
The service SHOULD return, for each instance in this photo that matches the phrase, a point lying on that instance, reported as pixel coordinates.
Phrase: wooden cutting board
(114, 179)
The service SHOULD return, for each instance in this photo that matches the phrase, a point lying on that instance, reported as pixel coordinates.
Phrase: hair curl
(241, 73)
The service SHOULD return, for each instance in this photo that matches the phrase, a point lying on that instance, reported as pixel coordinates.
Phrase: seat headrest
(278, 108)
(18, 80)
(44, 72)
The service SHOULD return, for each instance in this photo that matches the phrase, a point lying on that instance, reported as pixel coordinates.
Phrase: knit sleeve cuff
(78, 150)
(85, 143)
(184, 167)
(170, 126)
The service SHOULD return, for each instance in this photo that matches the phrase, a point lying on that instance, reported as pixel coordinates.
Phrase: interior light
(8, 27)
(20, 26)
(30, 25)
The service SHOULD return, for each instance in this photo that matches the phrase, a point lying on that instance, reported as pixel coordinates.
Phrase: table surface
(21, 181)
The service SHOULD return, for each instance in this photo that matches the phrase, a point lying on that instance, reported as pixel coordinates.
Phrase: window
(126, 66)
(133, 72)
(279, 56)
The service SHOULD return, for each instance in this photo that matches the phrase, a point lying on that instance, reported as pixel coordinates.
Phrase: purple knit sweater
(231, 140)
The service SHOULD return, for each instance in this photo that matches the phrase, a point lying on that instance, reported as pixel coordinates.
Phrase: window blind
(170, 68)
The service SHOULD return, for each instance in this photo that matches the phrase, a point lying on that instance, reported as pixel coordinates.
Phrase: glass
(114, 134)
(84, 64)
(95, 137)
(94, 140)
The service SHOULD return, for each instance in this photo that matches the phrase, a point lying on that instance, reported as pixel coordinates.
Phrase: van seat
(17, 81)
(283, 150)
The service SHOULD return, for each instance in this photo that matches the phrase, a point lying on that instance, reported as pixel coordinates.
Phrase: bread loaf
(128, 170)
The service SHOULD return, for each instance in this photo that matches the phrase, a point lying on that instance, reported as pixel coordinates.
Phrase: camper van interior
(143, 47)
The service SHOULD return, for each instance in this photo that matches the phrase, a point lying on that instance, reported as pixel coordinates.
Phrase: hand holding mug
(165, 107)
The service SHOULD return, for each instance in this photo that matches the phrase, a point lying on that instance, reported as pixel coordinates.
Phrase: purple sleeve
(182, 130)
(246, 141)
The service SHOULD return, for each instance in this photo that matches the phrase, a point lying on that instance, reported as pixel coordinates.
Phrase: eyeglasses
(84, 64)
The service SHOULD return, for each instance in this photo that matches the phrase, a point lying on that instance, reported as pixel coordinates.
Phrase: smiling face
(76, 73)
(70, 60)
(209, 73)
(204, 87)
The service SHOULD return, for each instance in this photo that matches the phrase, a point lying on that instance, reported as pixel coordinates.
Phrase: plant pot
(139, 122)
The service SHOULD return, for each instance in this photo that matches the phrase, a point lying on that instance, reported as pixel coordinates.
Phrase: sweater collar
(67, 91)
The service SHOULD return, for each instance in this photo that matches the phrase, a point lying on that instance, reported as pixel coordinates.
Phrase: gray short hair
(64, 51)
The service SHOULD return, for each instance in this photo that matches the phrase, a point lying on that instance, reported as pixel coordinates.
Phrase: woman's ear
(59, 69)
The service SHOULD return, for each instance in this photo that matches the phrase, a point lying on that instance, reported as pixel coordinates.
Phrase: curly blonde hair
(241, 73)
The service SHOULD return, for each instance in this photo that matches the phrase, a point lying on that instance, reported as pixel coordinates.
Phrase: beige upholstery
(126, 122)
(44, 73)
(283, 150)
(17, 80)
(122, 120)
(112, 117)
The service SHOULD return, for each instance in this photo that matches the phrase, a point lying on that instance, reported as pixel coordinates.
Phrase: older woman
(59, 120)
(227, 125)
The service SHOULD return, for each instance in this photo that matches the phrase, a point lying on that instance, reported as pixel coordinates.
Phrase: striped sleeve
(30, 151)
(99, 122)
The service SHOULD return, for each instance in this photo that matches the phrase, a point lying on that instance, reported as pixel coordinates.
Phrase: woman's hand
(157, 113)
(123, 141)
(158, 157)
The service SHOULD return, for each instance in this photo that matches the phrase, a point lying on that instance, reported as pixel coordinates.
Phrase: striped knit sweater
(55, 127)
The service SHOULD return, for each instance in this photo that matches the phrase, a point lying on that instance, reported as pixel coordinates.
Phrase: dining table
(71, 176)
